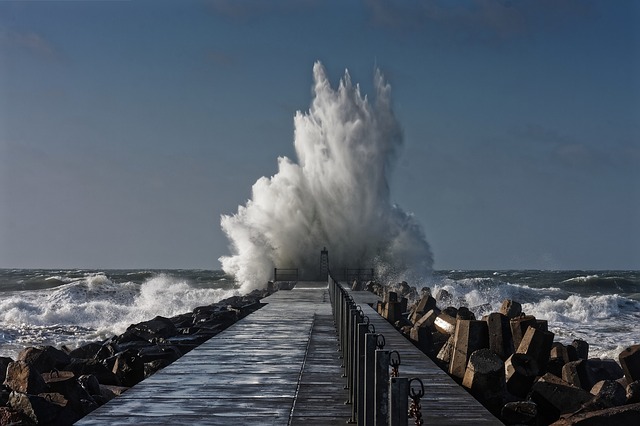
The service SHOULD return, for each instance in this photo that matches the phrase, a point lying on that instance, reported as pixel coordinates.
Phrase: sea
(74, 307)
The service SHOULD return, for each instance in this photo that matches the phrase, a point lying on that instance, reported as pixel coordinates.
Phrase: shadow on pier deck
(278, 366)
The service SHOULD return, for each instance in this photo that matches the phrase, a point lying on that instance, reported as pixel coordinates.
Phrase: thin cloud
(30, 42)
(478, 20)
(246, 10)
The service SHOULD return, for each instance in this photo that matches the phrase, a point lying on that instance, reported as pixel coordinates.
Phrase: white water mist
(336, 195)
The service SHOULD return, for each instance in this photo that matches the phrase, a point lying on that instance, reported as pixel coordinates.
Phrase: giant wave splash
(336, 195)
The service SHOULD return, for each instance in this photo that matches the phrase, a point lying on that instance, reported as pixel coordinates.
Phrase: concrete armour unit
(484, 377)
(428, 318)
(554, 397)
(470, 336)
(537, 344)
(500, 339)
(630, 362)
(519, 328)
(521, 371)
(445, 323)
(510, 308)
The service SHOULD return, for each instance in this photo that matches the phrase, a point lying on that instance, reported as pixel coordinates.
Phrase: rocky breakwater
(58, 386)
(510, 362)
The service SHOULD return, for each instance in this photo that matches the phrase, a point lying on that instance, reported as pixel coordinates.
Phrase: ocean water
(72, 307)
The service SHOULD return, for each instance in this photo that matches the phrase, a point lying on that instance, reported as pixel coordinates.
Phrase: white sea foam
(93, 308)
(336, 195)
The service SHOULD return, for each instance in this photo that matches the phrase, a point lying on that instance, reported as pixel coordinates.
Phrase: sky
(127, 128)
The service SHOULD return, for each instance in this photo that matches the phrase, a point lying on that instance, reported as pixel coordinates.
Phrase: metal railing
(377, 396)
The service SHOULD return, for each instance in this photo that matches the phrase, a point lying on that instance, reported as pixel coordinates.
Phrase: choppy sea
(72, 307)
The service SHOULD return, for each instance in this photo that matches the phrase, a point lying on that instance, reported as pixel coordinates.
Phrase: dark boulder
(519, 413)
(21, 377)
(4, 363)
(82, 367)
(151, 331)
(128, 368)
(88, 351)
(44, 358)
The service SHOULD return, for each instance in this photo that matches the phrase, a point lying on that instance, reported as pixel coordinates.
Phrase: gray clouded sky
(128, 128)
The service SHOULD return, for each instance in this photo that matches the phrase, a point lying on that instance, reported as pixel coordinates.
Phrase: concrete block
(630, 362)
(445, 323)
(421, 337)
(609, 393)
(444, 354)
(470, 335)
(604, 369)
(537, 344)
(577, 374)
(521, 371)
(426, 304)
(427, 319)
(519, 412)
(392, 311)
(500, 339)
(519, 327)
(554, 397)
(465, 314)
(620, 416)
(510, 308)
(582, 348)
(484, 377)
(633, 392)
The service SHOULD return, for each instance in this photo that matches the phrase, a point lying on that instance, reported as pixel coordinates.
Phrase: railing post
(381, 380)
(398, 401)
(359, 388)
(369, 374)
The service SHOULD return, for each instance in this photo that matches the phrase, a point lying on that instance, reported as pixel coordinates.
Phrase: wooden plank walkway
(278, 366)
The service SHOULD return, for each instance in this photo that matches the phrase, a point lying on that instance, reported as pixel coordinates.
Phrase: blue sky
(128, 128)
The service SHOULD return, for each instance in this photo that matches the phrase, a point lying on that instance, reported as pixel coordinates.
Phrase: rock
(619, 416)
(169, 353)
(633, 392)
(109, 392)
(444, 297)
(65, 383)
(150, 368)
(21, 377)
(90, 384)
(82, 367)
(11, 417)
(445, 323)
(108, 349)
(47, 408)
(484, 377)
(554, 397)
(470, 335)
(510, 308)
(128, 368)
(500, 339)
(582, 348)
(609, 393)
(452, 311)
(521, 371)
(151, 331)
(44, 358)
(4, 363)
(630, 362)
(519, 412)
(87, 351)
(537, 344)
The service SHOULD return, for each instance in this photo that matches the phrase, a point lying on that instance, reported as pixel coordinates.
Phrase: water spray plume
(336, 195)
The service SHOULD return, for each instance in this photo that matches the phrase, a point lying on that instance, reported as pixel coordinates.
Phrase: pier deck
(278, 366)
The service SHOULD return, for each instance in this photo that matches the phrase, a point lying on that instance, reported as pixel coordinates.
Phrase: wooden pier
(279, 366)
